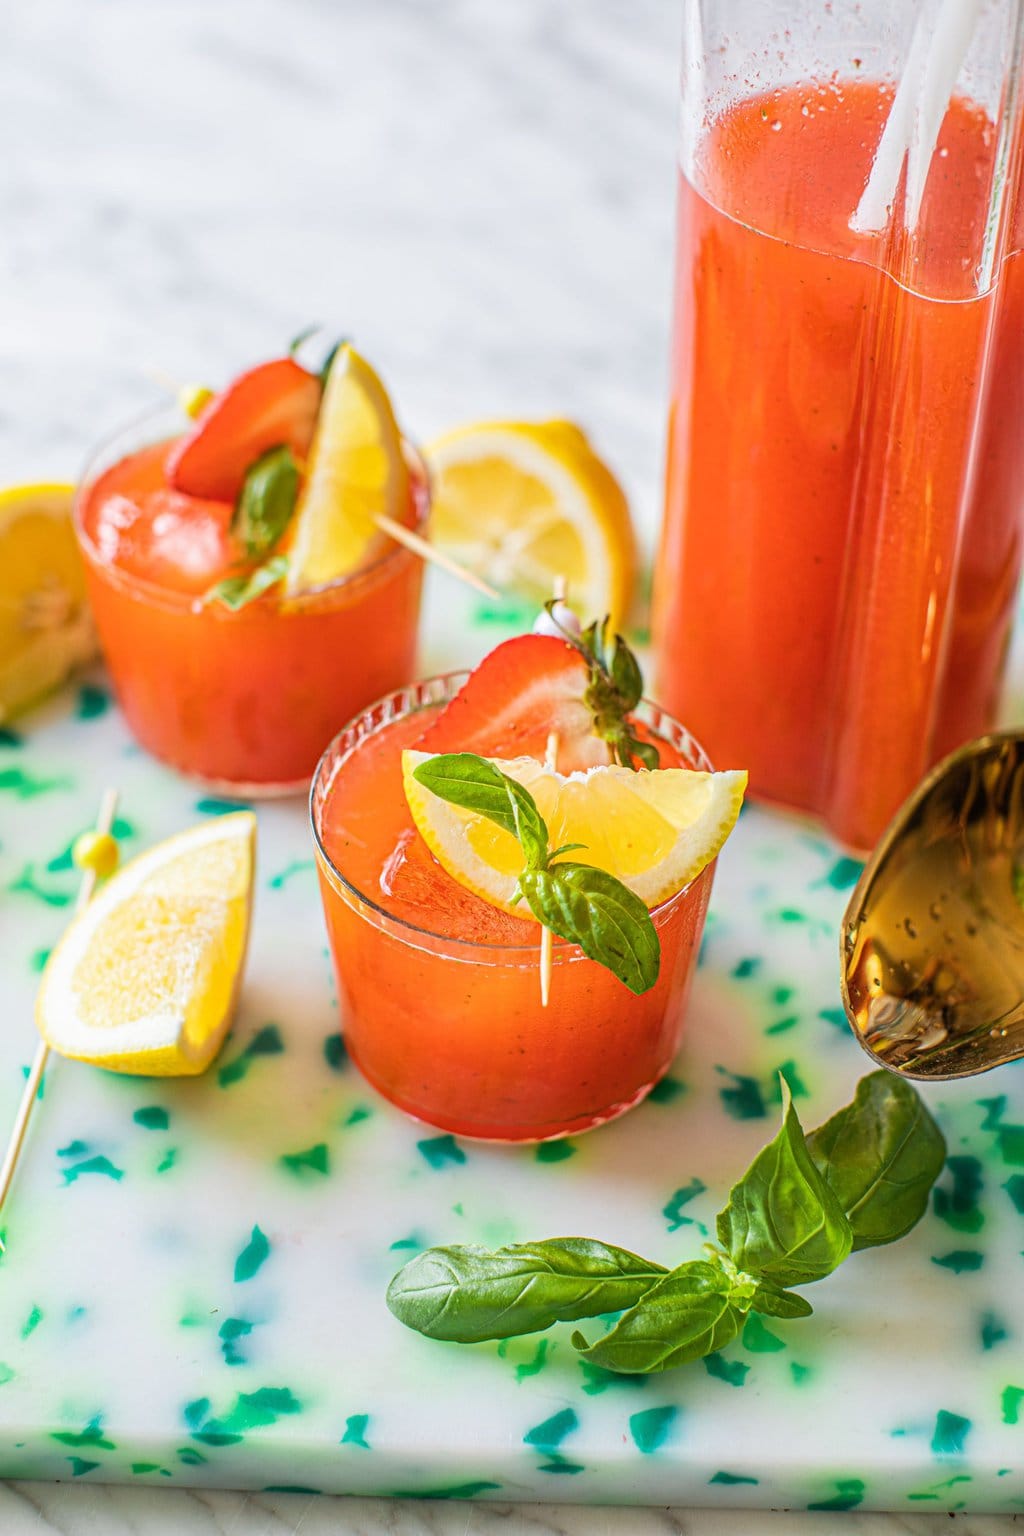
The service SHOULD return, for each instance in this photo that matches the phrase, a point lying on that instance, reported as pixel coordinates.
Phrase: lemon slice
(654, 831)
(145, 978)
(45, 626)
(521, 503)
(355, 474)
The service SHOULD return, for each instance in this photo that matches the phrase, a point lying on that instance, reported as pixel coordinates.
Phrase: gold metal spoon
(931, 950)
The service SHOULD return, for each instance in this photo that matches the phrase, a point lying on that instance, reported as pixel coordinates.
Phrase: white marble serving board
(195, 1272)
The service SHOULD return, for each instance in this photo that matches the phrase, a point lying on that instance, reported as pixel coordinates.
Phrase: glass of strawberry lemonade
(429, 807)
(245, 597)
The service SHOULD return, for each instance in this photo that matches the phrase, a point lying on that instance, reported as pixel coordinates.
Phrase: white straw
(934, 60)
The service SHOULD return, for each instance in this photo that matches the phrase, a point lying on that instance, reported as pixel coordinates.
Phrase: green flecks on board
(747, 967)
(548, 1435)
(554, 1151)
(414, 1243)
(731, 1479)
(253, 1256)
(950, 1434)
(994, 1111)
(80, 1466)
(297, 867)
(252, 1410)
(99, 1165)
(597, 1379)
(91, 1436)
(64, 860)
(1010, 1140)
(962, 1261)
(42, 1082)
(74, 1314)
(357, 1115)
(7, 1373)
(27, 884)
(758, 1337)
(734, 1372)
(849, 1493)
(794, 1082)
(92, 702)
(315, 1493)
(265, 1042)
(230, 1331)
(32, 1322)
(335, 1054)
(73, 1149)
(536, 1357)
(152, 1117)
(190, 1456)
(355, 1431)
(1014, 1187)
(39, 959)
(516, 615)
(666, 1090)
(1009, 1404)
(651, 1427)
(992, 1331)
(742, 1099)
(9, 738)
(26, 786)
(834, 1016)
(168, 1160)
(439, 1150)
(315, 1159)
(140, 1468)
(672, 1210)
(959, 1206)
(845, 872)
(782, 1026)
(216, 805)
(196, 1411)
(449, 1491)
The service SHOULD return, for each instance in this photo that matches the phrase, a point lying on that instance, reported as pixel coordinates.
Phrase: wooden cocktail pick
(559, 592)
(104, 823)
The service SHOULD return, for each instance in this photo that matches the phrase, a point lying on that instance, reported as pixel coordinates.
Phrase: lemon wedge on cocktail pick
(146, 976)
(653, 831)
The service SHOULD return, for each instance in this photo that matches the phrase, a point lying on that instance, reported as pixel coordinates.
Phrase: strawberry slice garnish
(269, 406)
(523, 691)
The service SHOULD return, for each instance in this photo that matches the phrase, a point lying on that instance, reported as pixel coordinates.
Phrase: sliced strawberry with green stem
(272, 405)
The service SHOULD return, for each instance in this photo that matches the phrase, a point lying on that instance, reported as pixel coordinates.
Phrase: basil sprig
(804, 1204)
(581, 904)
(266, 501)
(237, 591)
(614, 690)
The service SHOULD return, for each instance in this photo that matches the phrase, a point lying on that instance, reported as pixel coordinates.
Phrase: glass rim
(188, 602)
(445, 685)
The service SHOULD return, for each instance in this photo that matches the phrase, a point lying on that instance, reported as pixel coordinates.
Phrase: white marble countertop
(481, 194)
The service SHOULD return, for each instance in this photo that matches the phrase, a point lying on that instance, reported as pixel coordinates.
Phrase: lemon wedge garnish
(46, 629)
(356, 472)
(654, 831)
(145, 978)
(523, 503)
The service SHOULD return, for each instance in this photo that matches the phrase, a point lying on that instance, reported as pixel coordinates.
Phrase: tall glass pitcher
(845, 486)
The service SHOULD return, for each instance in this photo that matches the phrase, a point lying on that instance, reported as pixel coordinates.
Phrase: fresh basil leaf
(236, 591)
(467, 1293)
(783, 1223)
(685, 1316)
(880, 1156)
(464, 779)
(589, 907)
(266, 501)
(774, 1302)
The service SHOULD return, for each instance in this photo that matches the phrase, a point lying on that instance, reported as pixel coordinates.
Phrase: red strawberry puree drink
(438, 989)
(843, 517)
(242, 695)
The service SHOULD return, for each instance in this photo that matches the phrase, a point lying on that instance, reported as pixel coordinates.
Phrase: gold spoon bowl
(932, 942)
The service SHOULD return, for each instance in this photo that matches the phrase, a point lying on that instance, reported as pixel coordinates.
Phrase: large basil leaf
(468, 1293)
(783, 1223)
(464, 779)
(589, 907)
(266, 501)
(687, 1315)
(880, 1156)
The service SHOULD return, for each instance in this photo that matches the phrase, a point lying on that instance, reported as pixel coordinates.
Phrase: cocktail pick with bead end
(561, 618)
(96, 854)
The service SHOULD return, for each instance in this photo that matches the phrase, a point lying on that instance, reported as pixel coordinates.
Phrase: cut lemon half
(523, 503)
(45, 626)
(654, 831)
(145, 978)
(356, 473)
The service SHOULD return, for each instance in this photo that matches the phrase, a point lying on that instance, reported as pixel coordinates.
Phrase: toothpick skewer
(104, 823)
(561, 588)
(414, 542)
